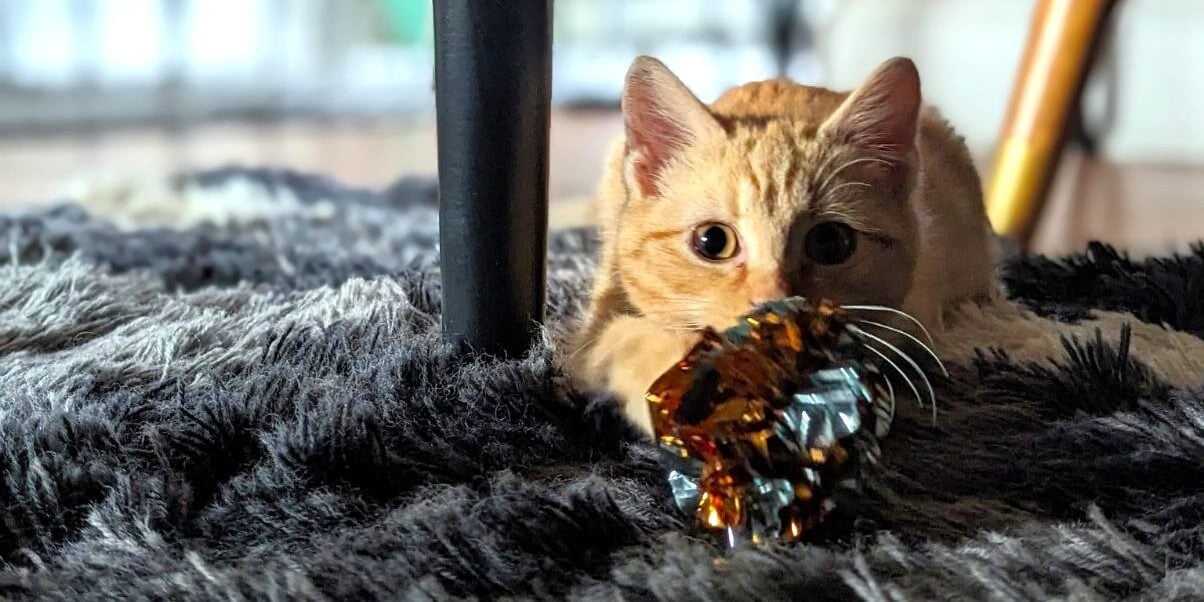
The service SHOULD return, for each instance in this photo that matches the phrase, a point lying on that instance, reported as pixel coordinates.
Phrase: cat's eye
(830, 243)
(715, 242)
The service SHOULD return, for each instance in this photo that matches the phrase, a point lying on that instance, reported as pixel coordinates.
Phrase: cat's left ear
(880, 117)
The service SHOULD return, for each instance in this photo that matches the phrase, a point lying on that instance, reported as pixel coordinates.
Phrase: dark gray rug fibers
(261, 410)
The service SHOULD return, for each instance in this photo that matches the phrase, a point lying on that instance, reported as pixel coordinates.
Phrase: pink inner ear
(883, 125)
(881, 117)
(652, 133)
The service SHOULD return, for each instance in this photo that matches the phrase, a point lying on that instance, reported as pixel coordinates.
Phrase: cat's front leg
(629, 355)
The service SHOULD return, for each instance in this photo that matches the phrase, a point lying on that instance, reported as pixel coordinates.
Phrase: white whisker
(586, 345)
(823, 167)
(843, 184)
(890, 387)
(607, 351)
(823, 188)
(885, 410)
(892, 310)
(905, 357)
(917, 341)
(897, 369)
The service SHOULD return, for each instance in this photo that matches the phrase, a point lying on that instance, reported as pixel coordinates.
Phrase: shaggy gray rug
(237, 392)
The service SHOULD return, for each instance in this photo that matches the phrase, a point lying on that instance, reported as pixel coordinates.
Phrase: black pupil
(713, 241)
(831, 243)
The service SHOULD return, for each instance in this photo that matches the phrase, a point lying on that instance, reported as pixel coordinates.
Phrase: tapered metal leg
(1057, 59)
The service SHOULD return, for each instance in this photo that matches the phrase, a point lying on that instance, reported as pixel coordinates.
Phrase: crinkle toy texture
(760, 424)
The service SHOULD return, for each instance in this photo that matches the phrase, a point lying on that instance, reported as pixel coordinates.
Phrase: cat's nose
(767, 287)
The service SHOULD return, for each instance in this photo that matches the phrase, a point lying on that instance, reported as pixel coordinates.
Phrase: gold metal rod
(1057, 57)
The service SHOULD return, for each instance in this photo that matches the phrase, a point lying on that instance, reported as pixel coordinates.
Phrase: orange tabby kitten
(776, 189)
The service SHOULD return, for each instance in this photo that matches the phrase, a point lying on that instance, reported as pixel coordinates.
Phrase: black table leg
(493, 89)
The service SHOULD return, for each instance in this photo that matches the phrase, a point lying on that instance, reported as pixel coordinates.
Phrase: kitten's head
(777, 189)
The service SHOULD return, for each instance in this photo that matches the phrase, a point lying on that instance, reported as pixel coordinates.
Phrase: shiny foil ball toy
(760, 424)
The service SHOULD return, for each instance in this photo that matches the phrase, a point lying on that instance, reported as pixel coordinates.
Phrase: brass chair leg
(1057, 58)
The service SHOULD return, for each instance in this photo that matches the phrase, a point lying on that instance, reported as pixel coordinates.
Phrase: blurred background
(129, 88)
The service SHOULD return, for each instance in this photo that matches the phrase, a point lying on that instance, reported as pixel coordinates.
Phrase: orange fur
(771, 160)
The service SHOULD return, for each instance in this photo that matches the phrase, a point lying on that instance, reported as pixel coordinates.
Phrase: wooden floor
(1145, 208)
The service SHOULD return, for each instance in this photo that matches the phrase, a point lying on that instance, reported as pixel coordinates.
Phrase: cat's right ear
(662, 118)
